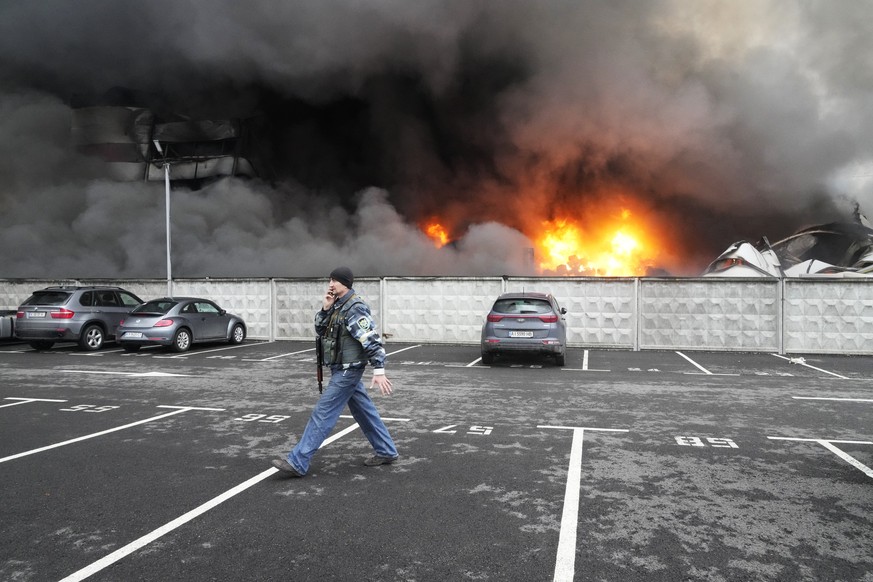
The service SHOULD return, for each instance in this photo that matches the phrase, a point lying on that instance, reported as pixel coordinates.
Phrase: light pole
(167, 189)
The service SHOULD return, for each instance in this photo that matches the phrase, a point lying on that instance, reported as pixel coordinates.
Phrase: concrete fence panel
(709, 314)
(438, 310)
(829, 316)
(297, 301)
(600, 312)
(15, 292)
(248, 298)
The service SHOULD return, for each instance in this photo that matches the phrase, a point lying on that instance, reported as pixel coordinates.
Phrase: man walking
(349, 338)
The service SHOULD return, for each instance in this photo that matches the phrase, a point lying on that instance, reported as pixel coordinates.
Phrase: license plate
(521, 334)
(132, 335)
(35, 314)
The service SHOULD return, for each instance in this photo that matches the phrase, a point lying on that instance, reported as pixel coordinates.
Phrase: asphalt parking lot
(619, 466)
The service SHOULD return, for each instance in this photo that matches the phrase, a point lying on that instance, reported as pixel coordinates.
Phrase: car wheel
(42, 345)
(237, 334)
(133, 348)
(92, 338)
(487, 359)
(182, 340)
(559, 359)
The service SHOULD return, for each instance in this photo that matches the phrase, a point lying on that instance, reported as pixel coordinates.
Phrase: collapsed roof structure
(836, 249)
(125, 137)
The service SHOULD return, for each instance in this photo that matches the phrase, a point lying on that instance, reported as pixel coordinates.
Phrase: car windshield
(48, 298)
(159, 307)
(522, 306)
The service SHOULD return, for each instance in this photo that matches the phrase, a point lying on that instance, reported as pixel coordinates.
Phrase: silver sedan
(179, 322)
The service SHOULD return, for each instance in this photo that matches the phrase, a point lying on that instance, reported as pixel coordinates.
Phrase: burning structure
(427, 138)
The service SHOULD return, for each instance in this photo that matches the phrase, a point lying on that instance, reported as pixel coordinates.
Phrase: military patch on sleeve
(364, 323)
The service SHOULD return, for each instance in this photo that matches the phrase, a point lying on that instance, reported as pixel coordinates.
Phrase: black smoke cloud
(724, 121)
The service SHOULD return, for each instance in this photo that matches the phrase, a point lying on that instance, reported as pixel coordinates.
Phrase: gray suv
(525, 322)
(87, 315)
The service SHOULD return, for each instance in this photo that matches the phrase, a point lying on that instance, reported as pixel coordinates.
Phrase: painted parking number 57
(689, 441)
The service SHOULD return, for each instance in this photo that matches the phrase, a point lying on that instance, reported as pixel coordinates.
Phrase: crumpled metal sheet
(193, 131)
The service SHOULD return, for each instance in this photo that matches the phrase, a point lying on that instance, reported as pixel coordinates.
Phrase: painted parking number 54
(689, 441)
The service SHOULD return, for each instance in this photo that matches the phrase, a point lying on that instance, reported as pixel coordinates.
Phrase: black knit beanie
(343, 275)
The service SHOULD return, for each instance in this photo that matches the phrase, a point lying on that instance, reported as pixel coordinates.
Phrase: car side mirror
(222, 312)
(563, 311)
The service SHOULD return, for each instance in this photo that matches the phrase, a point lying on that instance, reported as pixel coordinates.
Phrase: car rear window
(520, 306)
(129, 299)
(48, 298)
(159, 307)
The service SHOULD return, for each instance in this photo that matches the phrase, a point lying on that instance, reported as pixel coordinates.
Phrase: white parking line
(151, 348)
(829, 445)
(103, 432)
(135, 374)
(832, 399)
(695, 364)
(403, 350)
(383, 418)
(120, 553)
(565, 563)
(309, 350)
(182, 520)
(279, 356)
(584, 367)
(473, 363)
(198, 352)
(802, 362)
(27, 400)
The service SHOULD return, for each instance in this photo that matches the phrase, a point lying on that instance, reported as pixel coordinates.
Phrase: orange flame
(619, 248)
(590, 240)
(437, 234)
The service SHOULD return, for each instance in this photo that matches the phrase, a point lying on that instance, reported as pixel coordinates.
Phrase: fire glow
(437, 234)
(613, 247)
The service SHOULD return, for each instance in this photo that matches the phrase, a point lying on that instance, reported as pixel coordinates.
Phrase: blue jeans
(345, 387)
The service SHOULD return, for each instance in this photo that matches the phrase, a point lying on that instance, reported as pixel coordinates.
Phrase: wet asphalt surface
(619, 466)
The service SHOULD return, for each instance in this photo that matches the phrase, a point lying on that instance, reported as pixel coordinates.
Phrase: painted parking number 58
(689, 441)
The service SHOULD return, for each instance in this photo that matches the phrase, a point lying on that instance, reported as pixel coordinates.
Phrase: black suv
(87, 315)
